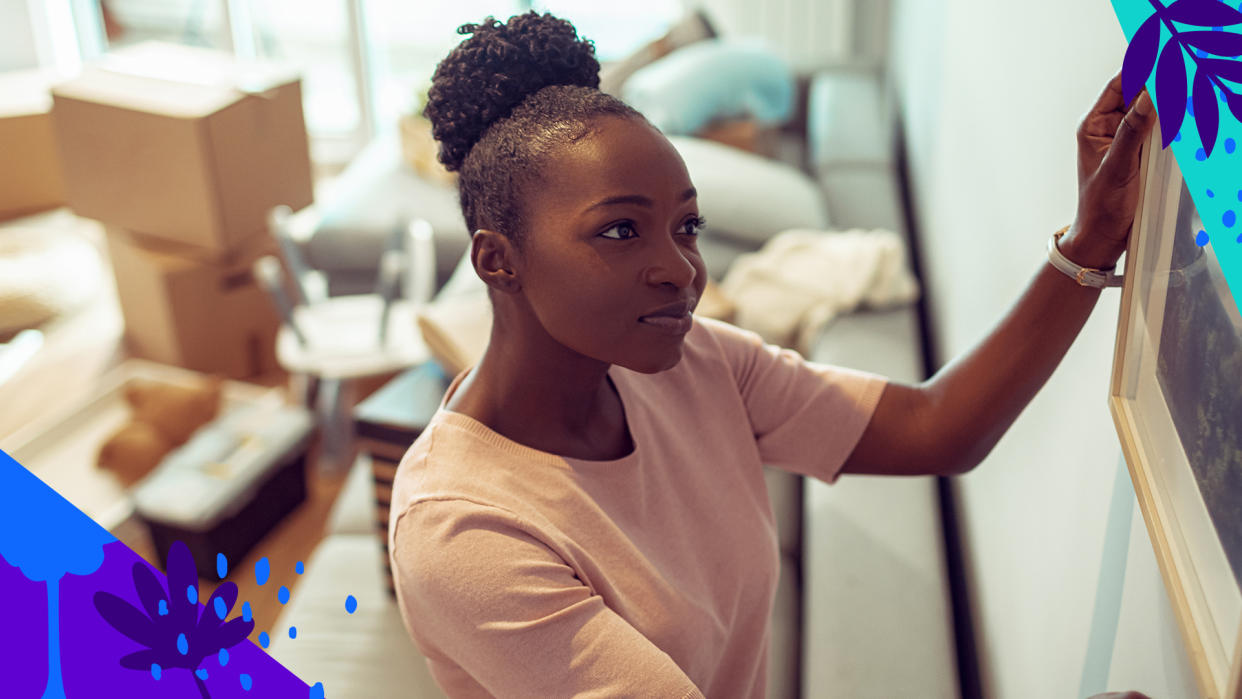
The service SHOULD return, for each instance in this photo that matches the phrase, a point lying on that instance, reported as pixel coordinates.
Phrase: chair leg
(304, 389)
(336, 424)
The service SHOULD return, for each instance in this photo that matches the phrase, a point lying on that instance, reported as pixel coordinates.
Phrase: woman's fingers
(1122, 158)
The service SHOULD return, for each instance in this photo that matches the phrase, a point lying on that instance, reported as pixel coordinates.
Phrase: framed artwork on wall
(1176, 401)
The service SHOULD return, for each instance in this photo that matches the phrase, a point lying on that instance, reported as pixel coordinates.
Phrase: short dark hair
(502, 100)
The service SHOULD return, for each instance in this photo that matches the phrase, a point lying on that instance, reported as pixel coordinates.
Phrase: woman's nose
(673, 264)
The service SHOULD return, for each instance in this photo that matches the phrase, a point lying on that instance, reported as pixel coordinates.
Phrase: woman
(586, 513)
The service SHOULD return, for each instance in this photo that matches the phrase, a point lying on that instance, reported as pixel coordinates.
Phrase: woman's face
(611, 238)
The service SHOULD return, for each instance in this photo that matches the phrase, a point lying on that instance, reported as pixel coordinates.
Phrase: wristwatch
(1085, 276)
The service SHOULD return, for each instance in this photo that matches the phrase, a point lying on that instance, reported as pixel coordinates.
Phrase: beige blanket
(801, 279)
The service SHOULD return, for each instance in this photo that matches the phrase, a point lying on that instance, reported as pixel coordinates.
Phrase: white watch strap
(1086, 276)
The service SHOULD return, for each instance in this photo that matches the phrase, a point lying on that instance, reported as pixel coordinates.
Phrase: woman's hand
(1109, 141)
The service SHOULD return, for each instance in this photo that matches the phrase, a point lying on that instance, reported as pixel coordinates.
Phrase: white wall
(17, 44)
(991, 94)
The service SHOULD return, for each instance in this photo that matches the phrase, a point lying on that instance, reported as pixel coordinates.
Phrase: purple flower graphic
(169, 625)
(1144, 53)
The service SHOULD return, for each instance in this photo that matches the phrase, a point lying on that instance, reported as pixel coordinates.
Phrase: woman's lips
(677, 325)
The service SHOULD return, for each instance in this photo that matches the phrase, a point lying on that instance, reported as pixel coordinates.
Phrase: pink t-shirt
(521, 573)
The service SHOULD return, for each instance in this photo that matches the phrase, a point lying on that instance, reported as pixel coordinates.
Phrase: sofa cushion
(710, 80)
(747, 197)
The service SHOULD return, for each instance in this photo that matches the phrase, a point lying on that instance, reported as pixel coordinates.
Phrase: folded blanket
(801, 279)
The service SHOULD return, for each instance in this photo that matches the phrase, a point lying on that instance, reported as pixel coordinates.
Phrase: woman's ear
(494, 257)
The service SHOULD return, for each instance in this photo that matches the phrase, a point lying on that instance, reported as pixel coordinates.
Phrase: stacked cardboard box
(181, 152)
(30, 177)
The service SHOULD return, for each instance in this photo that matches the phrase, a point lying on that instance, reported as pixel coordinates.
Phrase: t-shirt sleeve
(806, 416)
(480, 590)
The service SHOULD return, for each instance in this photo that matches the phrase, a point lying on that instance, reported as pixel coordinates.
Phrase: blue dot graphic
(1239, 239)
(246, 613)
(1201, 239)
(1200, 155)
(201, 673)
(183, 646)
(223, 656)
(191, 593)
(221, 608)
(300, 568)
(316, 691)
(156, 670)
(1177, 136)
(1229, 218)
(245, 681)
(1230, 145)
(293, 632)
(1190, 105)
(1240, 195)
(262, 568)
(222, 565)
(351, 604)
(163, 607)
(263, 639)
(1211, 194)
(283, 595)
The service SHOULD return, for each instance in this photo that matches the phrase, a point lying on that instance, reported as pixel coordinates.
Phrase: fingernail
(1144, 103)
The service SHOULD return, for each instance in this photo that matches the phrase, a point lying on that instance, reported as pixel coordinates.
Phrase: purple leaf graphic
(1203, 13)
(1218, 43)
(1207, 113)
(124, 617)
(1235, 104)
(1170, 91)
(149, 589)
(140, 660)
(1140, 58)
(1229, 70)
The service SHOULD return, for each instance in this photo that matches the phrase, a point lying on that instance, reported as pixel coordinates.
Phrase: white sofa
(863, 608)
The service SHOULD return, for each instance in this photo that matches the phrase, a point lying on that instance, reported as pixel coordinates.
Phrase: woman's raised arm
(948, 424)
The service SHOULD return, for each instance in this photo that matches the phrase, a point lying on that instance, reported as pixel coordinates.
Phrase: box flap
(171, 79)
(24, 92)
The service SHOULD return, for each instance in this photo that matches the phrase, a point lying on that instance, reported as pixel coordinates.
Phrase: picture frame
(1176, 403)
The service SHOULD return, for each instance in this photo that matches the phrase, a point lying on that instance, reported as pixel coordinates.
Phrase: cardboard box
(30, 177)
(183, 143)
(210, 317)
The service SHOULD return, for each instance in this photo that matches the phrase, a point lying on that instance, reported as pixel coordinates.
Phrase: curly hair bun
(487, 75)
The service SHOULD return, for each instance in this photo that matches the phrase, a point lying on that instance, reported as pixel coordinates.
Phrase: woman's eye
(694, 226)
(626, 231)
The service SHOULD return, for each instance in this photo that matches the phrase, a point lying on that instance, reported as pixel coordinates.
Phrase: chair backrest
(309, 285)
(270, 275)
